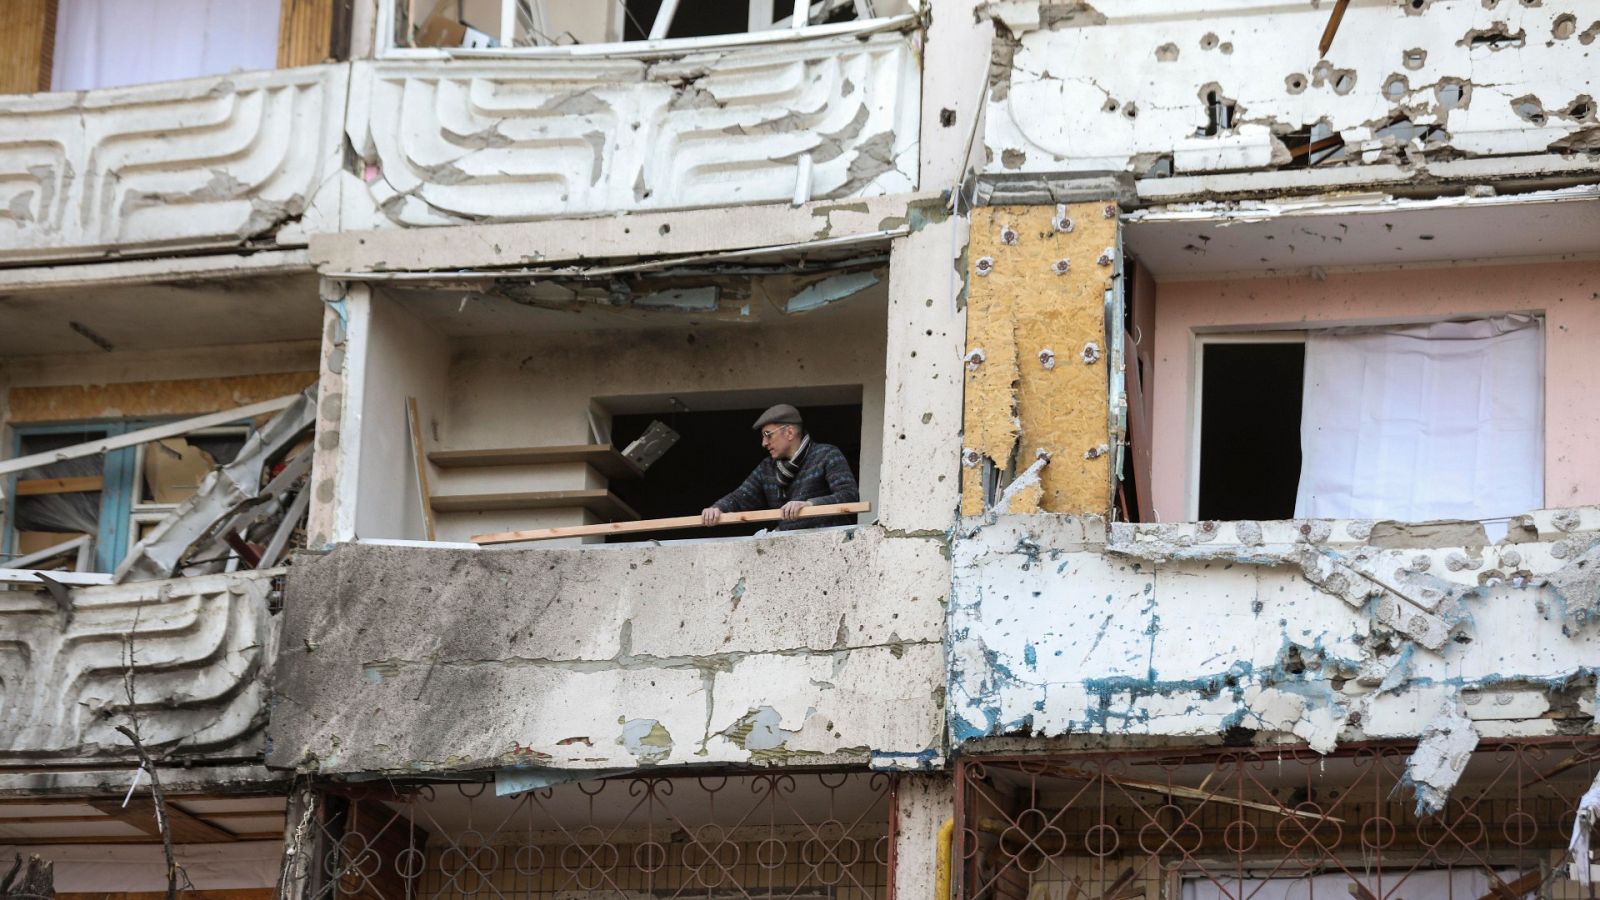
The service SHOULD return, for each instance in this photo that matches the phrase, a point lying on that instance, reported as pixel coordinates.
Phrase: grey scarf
(789, 468)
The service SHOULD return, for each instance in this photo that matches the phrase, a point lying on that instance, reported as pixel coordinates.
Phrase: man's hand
(710, 515)
(791, 510)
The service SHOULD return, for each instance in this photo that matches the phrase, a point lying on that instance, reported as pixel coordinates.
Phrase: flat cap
(782, 414)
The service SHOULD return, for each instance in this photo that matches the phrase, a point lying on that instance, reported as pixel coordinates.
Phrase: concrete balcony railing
(1317, 630)
(209, 162)
(260, 159)
(807, 648)
(511, 140)
(195, 653)
(1442, 89)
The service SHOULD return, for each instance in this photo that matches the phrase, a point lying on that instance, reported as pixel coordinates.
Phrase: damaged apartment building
(1218, 378)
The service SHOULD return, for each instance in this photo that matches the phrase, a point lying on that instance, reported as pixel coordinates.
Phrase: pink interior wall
(1568, 294)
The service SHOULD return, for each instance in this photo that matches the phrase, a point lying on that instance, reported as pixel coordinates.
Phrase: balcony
(255, 160)
(804, 649)
(1285, 578)
(1399, 94)
(1326, 630)
(511, 140)
(186, 660)
(222, 162)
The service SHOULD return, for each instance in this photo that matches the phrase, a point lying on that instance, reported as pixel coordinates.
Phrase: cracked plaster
(1287, 628)
(490, 141)
(831, 652)
(1462, 77)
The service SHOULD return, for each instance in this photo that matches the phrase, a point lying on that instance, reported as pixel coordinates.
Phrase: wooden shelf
(606, 459)
(602, 503)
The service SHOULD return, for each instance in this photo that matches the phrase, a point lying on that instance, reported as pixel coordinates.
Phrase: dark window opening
(65, 510)
(715, 451)
(1250, 430)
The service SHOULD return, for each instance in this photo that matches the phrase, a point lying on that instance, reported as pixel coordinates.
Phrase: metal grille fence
(763, 837)
(1268, 824)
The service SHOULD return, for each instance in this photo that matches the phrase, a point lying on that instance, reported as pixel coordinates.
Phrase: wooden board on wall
(27, 46)
(305, 32)
(148, 399)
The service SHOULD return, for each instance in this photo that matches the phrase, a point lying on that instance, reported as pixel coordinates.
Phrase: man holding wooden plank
(798, 472)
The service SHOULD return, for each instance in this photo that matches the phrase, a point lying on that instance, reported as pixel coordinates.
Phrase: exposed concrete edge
(609, 236)
(1540, 171)
(197, 779)
(109, 273)
(996, 189)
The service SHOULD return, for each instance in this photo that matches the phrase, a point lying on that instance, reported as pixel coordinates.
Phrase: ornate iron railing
(761, 837)
(1268, 824)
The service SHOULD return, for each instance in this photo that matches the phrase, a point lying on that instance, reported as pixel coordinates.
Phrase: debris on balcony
(233, 511)
(232, 517)
(1440, 758)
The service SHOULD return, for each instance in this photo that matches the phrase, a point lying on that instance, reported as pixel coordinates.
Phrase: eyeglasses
(767, 435)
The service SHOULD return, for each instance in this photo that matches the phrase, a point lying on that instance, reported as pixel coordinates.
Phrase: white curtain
(110, 43)
(1441, 421)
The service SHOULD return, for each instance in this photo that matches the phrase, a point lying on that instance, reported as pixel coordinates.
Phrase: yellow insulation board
(149, 399)
(1036, 304)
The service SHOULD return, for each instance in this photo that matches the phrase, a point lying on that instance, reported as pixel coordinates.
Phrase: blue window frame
(116, 492)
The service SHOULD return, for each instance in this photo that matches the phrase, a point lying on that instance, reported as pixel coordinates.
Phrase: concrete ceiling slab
(550, 308)
(160, 316)
(1295, 237)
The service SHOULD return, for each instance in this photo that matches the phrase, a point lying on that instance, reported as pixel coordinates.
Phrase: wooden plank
(50, 820)
(119, 839)
(32, 487)
(141, 814)
(606, 459)
(265, 893)
(414, 418)
(669, 524)
(144, 435)
(27, 46)
(305, 32)
(598, 501)
(70, 579)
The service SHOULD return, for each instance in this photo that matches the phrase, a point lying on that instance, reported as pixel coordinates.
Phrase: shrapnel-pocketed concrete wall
(1312, 630)
(802, 648)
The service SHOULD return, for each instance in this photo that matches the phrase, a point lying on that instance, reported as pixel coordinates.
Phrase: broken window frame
(1197, 355)
(121, 508)
(145, 512)
(390, 18)
(116, 490)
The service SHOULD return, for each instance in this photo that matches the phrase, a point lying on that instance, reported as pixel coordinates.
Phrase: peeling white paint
(1231, 85)
(1436, 765)
(1295, 629)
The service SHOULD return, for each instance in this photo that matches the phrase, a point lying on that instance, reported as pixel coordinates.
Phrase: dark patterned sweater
(824, 477)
